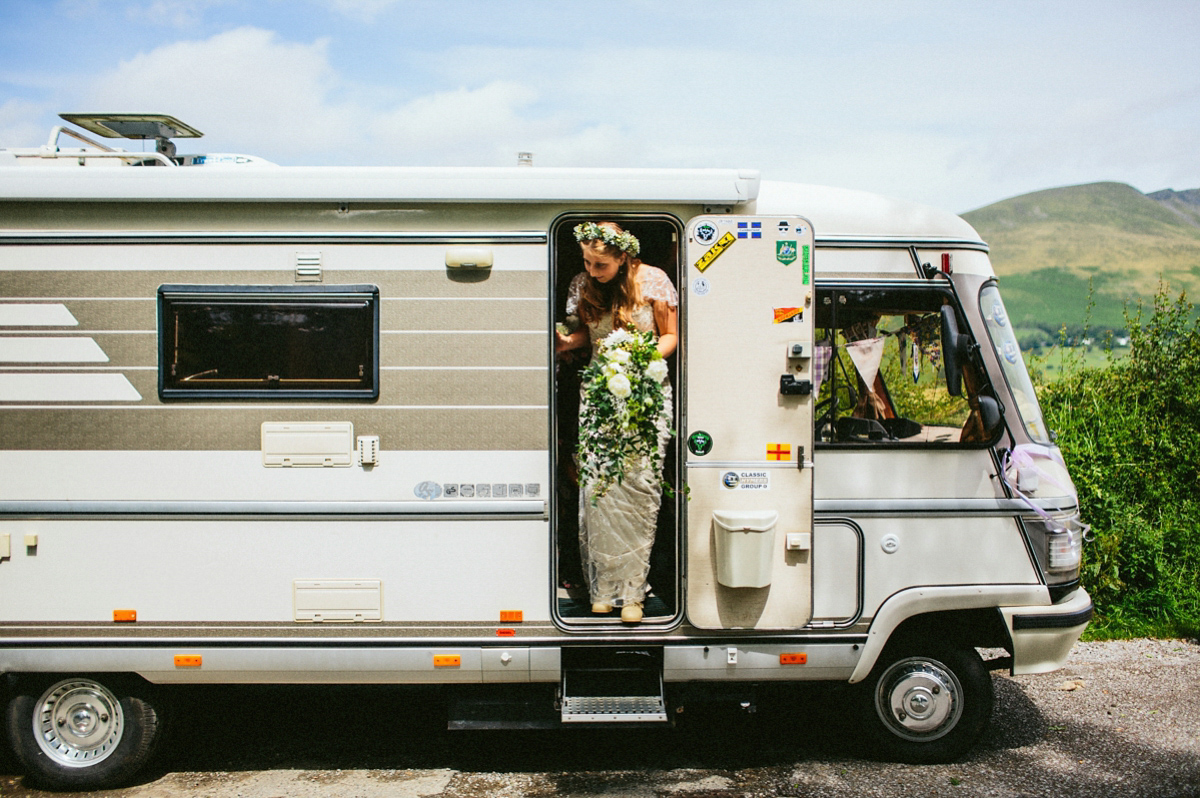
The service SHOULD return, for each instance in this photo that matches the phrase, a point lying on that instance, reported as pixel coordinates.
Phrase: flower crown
(625, 241)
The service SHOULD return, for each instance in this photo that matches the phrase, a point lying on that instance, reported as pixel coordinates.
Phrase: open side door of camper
(748, 423)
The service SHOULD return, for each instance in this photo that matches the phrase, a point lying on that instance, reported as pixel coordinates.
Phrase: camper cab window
(277, 342)
(881, 371)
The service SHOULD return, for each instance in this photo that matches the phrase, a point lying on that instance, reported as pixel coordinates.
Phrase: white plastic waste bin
(745, 546)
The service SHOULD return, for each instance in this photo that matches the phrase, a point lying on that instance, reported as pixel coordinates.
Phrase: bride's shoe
(631, 613)
(601, 609)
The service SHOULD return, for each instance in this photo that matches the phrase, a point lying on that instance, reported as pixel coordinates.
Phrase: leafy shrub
(1130, 433)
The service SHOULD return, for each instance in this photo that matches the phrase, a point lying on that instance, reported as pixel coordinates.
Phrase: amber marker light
(188, 660)
(512, 616)
(795, 658)
(446, 660)
(124, 616)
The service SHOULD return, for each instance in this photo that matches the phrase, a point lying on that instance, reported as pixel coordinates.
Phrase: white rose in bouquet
(657, 370)
(618, 386)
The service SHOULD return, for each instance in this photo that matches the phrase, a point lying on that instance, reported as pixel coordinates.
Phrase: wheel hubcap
(78, 723)
(919, 699)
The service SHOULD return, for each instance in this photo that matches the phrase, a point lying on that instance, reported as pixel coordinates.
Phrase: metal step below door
(613, 685)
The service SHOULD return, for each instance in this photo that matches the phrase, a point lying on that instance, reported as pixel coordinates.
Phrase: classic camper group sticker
(746, 480)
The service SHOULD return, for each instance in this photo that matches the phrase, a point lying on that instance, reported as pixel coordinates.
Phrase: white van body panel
(897, 533)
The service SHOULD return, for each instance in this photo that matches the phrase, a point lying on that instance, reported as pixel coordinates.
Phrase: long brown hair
(620, 295)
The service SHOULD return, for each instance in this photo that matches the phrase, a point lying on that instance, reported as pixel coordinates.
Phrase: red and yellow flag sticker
(714, 252)
(779, 451)
(787, 314)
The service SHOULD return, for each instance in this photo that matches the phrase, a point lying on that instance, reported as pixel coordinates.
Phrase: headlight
(1065, 547)
(1057, 542)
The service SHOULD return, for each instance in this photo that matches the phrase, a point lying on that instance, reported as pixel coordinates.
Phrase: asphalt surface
(1122, 719)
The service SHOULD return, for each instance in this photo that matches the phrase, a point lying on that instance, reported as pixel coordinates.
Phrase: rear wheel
(928, 704)
(81, 733)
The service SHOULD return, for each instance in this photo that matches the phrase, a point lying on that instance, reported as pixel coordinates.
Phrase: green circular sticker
(700, 443)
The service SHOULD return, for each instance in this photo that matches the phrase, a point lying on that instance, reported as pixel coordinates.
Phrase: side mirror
(989, 412)
(954, 351)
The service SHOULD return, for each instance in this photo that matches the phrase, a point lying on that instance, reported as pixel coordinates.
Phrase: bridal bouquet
(623, 408)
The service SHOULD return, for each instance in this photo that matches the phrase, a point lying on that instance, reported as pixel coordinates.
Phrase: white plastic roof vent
(133, 126)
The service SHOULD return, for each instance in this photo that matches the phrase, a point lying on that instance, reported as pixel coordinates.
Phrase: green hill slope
(1049, 245)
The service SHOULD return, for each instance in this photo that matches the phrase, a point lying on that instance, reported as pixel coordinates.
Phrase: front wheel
(81, 733)
(926, 705)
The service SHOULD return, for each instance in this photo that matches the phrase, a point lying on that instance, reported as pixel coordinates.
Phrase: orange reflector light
(797, 658)
(124, 616)
(446, 660)
(512, 616)
(188, 661)
(506, 633)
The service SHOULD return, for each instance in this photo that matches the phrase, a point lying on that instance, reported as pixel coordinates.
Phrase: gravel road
(1122, 719)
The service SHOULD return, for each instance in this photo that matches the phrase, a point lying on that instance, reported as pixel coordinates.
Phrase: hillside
(1047, 246)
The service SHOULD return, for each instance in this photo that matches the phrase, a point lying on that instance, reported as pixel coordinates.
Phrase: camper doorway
(574, 567)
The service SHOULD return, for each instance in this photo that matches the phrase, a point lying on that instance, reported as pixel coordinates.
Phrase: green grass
(1049, 299)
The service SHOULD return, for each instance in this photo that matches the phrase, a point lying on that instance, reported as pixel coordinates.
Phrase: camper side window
(880, 371)
(277, 342)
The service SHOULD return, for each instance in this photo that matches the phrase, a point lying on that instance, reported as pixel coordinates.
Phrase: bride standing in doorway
(617, 516)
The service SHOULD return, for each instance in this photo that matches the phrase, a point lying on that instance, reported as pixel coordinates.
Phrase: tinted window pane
(296, 343)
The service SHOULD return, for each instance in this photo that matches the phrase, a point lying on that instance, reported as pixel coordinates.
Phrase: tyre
(927, 704)
(81, 733)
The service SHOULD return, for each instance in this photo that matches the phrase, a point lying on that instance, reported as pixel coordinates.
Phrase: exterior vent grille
(308, 267)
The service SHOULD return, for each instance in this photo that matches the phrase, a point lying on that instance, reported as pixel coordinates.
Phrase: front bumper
(1042, 636)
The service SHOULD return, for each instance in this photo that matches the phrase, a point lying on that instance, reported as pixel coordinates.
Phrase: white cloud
(464, 126)
(173, 13)
(18, 127)
(244, 88)
(364, 10)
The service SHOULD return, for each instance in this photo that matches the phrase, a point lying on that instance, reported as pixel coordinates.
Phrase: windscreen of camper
(226, 342)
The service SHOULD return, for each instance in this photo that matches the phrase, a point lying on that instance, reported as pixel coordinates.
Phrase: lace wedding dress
(616, 533)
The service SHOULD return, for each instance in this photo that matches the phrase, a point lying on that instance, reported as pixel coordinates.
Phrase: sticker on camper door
(706, 232)
(746, 480)
(700, 443)
(714, 252)
(700, 287)
(785, 252)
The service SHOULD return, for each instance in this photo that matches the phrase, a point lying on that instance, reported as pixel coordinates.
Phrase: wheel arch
(967, 615)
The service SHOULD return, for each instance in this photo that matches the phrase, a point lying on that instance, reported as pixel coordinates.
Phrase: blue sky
(949, 102)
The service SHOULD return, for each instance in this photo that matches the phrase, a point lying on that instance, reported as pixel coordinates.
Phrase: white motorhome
(268, 424)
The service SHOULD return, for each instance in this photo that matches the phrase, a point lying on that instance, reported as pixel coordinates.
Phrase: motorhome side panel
(172, 506)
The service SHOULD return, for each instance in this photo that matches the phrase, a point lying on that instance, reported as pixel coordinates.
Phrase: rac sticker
(725, 242)
(788, 314)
